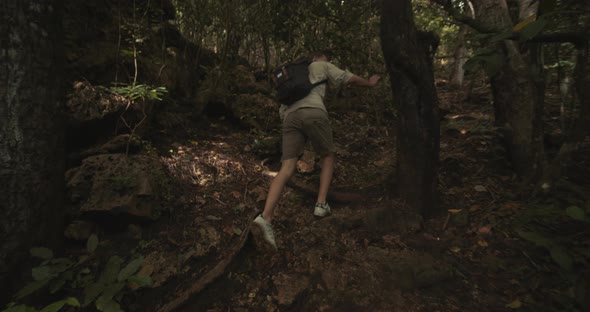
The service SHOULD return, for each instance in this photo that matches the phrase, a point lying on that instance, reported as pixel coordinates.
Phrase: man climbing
(307, 119)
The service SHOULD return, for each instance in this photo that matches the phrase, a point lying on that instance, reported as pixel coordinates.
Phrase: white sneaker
(322, 210)
(266, 229)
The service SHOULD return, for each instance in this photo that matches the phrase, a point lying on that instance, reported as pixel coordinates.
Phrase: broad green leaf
(92, 243)
(60, 265)
(531, 30)
(518, 27)
(91, 292)
(561, 257)
(30, 288)
(108, 294)
(56, 306)
(113, 290)
(575, 212)
(111, 271)
(20, 308)
(42, 273)
(71, 301)
(141, 280)
(126, 52)
(130, 269)
(535, 238)
(41, 252)
(56, 285)
(108, 306)
(501, 36)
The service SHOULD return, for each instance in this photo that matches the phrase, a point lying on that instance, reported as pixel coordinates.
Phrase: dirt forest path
(371, 254)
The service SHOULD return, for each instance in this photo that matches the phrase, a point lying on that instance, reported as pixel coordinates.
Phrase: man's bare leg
(276, 187)
(326, 177)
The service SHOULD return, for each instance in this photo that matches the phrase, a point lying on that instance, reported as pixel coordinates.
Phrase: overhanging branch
(465, 19)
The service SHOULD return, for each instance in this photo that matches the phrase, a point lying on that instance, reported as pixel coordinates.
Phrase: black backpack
(292, 81)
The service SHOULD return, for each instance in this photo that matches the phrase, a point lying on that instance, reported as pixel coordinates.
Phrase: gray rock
(116, 184)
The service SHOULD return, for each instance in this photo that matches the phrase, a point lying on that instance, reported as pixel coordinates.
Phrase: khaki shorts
(305, 124)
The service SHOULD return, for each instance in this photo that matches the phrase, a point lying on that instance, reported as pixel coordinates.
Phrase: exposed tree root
(337, 196)
(184, 295)
(332, 195)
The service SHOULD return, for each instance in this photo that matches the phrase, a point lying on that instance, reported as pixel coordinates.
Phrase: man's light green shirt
(318, 71)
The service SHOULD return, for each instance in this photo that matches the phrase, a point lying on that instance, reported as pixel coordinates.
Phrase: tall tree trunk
(31, 131)
(408, 57)
(460, 58)
(515, 96)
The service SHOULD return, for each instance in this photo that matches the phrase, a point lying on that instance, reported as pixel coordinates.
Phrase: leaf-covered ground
(372, 253)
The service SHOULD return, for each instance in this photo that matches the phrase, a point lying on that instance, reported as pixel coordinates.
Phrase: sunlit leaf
(516, 304)
(455, 249)
(71, 301)
(41, 252)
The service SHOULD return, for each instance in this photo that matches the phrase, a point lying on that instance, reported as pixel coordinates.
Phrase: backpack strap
(319, 83)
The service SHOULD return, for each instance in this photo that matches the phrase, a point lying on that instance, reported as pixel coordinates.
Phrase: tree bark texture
(31, 131)
(516, 97)
(460, 58)
(409, 63)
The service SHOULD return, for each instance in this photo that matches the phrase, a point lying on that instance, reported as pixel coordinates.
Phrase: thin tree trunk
(516, 97)
(409, 63)
(460, 58)
(31, 132)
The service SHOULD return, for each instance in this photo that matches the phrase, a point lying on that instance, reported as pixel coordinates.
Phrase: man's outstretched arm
(362, 82)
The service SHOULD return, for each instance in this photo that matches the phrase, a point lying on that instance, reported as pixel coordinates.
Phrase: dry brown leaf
(480, 188)
(487, 229)
(236, 194)
(260, 192)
